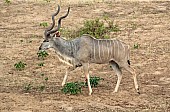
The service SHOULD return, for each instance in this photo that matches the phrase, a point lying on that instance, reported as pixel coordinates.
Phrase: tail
(128, 56)
(128, 61)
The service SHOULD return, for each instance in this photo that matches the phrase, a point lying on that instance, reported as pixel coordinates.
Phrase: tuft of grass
(42, 54)
(20, 65)
(42, 75)
(46, 79)
(27, 87)
(42, 87)
(136, 46)
(41, 64)
(44, 24)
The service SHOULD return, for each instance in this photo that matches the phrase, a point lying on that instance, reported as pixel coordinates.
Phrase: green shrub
(96, 28)
(44, 24)
(72, 88)
(42, 54)
(94, 81)
(20, 65)
(76, 87)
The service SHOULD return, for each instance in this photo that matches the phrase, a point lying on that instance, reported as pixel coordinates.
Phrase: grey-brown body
(88, 49)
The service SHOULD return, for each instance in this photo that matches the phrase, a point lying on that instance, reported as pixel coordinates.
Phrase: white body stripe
(107, 49)
(103, 57)
(99, 51)
(94, 51)
(111, 49)
(117, 47)
(123, 48)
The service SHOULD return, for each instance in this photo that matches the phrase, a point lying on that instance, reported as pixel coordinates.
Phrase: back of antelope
(84, 50)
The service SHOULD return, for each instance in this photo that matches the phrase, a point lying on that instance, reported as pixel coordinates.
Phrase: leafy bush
(20, 65)
(97, 28)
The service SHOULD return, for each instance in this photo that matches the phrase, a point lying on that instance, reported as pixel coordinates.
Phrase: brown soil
(21, 35)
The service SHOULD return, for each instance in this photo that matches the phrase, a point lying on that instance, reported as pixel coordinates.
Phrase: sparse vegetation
(20, 65)
(34, 86)
(76, 87)
(43, 82)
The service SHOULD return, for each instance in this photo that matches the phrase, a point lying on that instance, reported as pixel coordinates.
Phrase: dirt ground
(21, 35)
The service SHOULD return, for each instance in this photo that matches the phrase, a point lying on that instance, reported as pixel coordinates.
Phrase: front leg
(86, 71)
(66, 74)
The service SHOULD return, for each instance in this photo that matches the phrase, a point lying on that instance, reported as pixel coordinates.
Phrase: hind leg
(132, 71)
(118, 71)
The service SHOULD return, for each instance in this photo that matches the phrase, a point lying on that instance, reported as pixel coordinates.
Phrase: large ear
(57, 34)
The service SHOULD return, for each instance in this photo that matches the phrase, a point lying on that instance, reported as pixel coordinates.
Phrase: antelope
(84, 50)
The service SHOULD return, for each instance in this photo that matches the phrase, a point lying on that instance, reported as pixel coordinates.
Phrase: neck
(63, 47)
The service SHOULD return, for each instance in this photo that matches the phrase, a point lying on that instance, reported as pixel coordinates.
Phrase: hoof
(90, 93)
(62, 84)
(138, 90)
(114, 91)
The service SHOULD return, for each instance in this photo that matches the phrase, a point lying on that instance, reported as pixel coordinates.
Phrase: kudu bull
(84, 50)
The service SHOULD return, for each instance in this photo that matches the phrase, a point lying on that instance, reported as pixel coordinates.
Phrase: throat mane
(65, 59)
